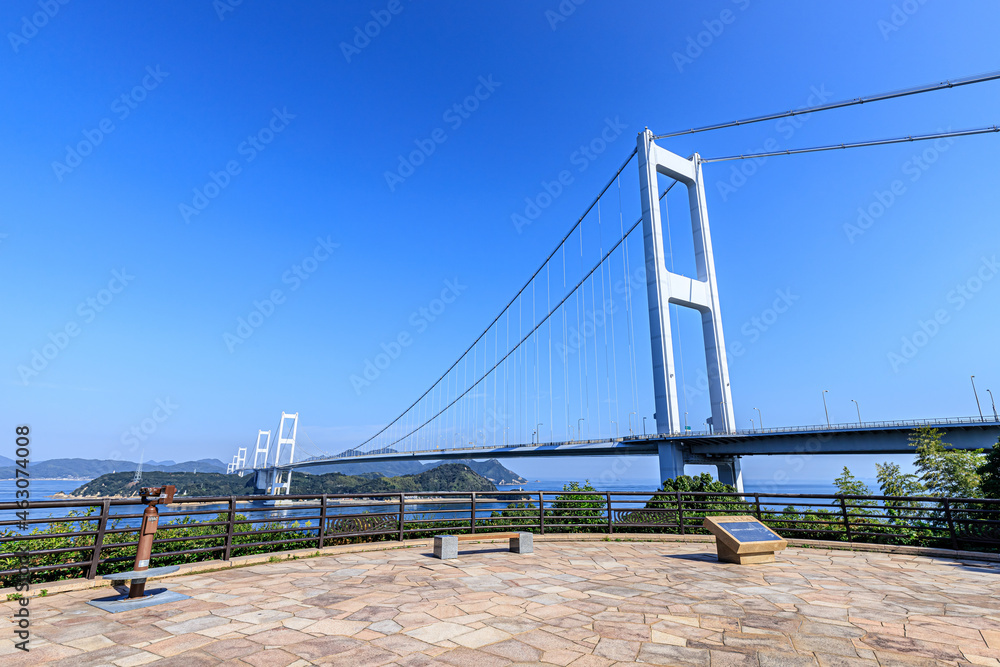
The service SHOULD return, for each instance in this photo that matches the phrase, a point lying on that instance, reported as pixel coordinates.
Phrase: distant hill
(449, 477)
(91, 468)
(491, 469)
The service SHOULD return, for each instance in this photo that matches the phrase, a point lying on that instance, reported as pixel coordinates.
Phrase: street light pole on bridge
(976, 394)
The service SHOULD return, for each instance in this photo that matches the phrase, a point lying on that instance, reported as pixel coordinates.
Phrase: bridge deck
(867, 438)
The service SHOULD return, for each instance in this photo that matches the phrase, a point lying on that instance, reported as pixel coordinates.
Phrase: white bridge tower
(701, 293)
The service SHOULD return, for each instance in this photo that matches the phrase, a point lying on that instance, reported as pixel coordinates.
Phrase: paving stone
(481, 637)
(514, 651)
(617, 649)
(437, 632)
(231, 648)
(585, 604)
(665, 654)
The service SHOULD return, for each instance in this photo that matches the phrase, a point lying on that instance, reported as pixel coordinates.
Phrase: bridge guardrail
(95, 537)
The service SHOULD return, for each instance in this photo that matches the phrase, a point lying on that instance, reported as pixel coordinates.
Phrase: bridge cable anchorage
(381, 431)
(944, 85)
(860, 144)
(589, 275)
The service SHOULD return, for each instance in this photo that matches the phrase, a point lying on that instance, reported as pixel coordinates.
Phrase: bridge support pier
(263, 479)
(671, 460)
(730, 472)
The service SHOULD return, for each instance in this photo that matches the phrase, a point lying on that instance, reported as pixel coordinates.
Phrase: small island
(448, 477)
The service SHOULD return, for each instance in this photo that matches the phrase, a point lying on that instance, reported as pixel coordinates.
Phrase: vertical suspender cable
(548, 307)
(565, 350)
(627, 275)
(534, 337)
(597, 361)
(585, 378)
(496, 355)
(604, 313)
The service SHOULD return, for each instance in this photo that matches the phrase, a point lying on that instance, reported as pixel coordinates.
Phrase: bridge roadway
(865, 438)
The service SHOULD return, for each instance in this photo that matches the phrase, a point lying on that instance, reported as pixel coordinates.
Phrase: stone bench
(446, 546)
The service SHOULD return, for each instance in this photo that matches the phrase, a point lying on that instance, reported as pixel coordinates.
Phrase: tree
(989, 473)
(702, 483)
(894, 482)
(579, 504)
(849, 485)
(696, 507)
(945, 472)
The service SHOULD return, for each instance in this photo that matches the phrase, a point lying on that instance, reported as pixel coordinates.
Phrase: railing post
(680, 512)
(402, 514)
(229, 528)
(472, 518)
(611, 527)
(847, 522)
(322, 521)
(541, 512)
(102, 525)
(951, 524)
(756, 501)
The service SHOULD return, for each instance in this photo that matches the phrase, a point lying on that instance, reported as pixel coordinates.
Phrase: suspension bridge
(571, 366)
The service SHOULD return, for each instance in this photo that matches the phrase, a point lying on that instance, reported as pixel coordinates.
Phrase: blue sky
(218, 155)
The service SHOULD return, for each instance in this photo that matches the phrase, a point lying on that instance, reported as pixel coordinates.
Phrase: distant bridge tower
(664, 288)
(258, 450)
(269, 478)
(283, 479)
(138, 471)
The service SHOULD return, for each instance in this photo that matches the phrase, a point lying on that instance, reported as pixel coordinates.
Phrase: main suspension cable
(943, 85)
(859, 144)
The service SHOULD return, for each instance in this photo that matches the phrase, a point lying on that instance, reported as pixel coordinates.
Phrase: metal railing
(97, 537)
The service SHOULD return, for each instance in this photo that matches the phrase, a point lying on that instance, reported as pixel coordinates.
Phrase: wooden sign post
(743, 539)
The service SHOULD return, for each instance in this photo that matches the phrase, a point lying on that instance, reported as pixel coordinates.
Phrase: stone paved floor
(576, 603)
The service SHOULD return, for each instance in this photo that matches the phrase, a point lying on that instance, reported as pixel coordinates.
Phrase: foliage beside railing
(119, 548)
(85, 544)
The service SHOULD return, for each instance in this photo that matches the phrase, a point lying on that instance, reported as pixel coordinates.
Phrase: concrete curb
(427, 543)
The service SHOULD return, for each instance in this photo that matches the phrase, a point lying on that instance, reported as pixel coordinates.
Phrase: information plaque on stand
(743, 539)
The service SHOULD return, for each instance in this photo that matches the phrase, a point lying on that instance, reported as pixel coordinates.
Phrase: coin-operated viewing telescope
(151, 496)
